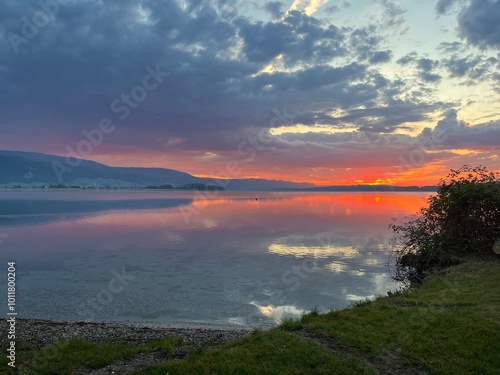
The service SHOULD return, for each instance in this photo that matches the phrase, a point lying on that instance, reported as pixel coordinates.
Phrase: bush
(463, 218)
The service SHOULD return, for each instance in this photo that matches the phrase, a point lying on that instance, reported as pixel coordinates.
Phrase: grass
(449, 325)
(22, 355)
(63, 357)
(66, 356)
(274, 352)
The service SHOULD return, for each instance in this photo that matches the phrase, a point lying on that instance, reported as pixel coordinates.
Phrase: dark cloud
(393, 15)
(426, 67)
(454, 133)
(408, 58)
(330, 9)
(479, 24)
(449, 121)
(380, 57)
(274, 8)
(444, 6)
(364, 42)
(309, 79)
(94, 52)
(472, 69)
(388, 119)
(452, 47)
(430, 77)
(300, 38)
(459, 67)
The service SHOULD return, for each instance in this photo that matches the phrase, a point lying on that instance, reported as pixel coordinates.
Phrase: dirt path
(138, 362)
(391, 364)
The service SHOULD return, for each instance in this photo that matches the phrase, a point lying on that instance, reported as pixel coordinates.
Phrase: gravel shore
(39, 333)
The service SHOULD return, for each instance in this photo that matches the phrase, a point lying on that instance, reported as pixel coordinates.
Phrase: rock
(185, 350)
(496, 247)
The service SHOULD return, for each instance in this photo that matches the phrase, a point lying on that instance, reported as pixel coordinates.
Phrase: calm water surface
(163, 257)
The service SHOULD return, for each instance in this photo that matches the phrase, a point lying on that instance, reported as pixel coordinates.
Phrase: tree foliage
(463, 218)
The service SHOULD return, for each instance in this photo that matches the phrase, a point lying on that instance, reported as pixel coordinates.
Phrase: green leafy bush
(463, 218)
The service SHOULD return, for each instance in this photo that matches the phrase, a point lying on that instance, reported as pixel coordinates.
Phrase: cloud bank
(226, 74)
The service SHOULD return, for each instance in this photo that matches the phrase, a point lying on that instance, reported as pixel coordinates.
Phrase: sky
(322, 91)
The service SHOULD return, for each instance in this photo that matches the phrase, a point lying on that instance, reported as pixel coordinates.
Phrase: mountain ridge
(32, 169)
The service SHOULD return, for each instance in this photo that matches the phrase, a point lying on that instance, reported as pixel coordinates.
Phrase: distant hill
(369, 188)
(30, 169)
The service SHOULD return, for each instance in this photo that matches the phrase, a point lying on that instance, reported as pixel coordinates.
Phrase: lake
(185, 257)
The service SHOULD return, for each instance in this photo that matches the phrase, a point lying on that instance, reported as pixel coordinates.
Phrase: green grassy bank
(449, 325)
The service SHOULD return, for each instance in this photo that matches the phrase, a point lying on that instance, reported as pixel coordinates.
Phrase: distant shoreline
(328, 189)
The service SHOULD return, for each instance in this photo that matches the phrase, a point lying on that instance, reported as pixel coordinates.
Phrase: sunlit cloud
(298, 4)
(313, 6)
(308, 6)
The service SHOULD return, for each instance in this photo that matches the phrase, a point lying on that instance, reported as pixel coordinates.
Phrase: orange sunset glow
(231, 166)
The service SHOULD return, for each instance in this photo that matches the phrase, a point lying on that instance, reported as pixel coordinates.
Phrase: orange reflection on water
(287, 210)
(372, 202)
(274, 208)
(256, 214)
(410, 202)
